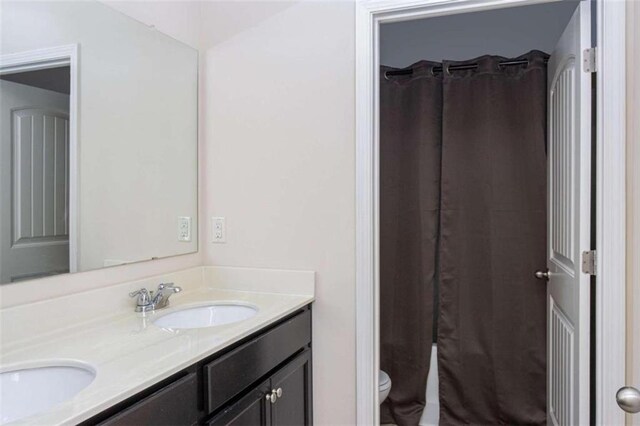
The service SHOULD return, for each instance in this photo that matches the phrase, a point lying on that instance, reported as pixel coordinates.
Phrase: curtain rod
(435, 70)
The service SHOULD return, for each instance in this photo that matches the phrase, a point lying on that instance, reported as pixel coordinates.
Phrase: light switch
(184, 228)
(219, 231)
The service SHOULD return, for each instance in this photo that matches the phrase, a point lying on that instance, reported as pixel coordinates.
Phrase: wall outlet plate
(184, 228)
(218, 230)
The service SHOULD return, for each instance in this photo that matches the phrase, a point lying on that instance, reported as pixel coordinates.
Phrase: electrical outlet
(219, 230)
(184, 228)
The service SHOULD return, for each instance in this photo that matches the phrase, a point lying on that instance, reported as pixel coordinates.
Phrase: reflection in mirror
(35, 177)
(98, 140)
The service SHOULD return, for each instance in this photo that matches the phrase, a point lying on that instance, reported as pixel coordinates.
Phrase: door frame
(610, 192)
(53, 57)
(633, 194)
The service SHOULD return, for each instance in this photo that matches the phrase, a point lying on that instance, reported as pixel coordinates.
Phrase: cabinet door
(293, 383)
(173, 405)
(228, 376)
(251, 410)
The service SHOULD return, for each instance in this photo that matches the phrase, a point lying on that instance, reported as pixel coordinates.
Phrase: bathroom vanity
(263, 380)
(98, 361)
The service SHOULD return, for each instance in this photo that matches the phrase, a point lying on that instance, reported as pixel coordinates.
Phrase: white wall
(506, 32)
(137, 150)
(279, 158)
(178, 19)
(28, 291)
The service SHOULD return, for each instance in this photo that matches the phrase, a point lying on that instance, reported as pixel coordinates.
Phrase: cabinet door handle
(271, 397)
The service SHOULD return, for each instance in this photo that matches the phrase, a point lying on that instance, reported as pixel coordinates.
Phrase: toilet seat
(384, 386)
(384, 382)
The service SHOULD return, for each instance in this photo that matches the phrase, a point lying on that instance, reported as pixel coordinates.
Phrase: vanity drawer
(232, 373)
(172, 405)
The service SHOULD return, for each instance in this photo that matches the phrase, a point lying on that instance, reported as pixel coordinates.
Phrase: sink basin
(206, 316)
(28, 391)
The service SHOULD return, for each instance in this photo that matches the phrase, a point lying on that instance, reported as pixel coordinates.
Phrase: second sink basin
(28, 391)
(206, 316)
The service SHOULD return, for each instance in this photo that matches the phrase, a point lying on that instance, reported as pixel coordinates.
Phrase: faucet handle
(143, 296)
(162, 295)
(162, 286)
(167, 286)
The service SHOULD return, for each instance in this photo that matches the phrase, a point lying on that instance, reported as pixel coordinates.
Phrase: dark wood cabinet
(231, 374)
(171, 405)
(263, 380)
(293, 384)
(282, 400)
(251, 410)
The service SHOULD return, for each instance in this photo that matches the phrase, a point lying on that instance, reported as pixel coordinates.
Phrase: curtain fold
(410, 147)
(492, 324)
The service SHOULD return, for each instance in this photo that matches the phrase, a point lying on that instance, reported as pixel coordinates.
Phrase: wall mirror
(98, 140)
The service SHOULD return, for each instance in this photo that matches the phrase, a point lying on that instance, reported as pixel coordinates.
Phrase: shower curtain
(491, 238)
(410, 146)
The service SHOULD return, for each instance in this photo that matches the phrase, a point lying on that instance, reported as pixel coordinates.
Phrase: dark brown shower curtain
(410, 142)
(492, 326)
(490, 180)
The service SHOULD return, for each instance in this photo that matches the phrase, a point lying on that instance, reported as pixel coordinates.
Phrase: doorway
(463, 194)
(368, 185)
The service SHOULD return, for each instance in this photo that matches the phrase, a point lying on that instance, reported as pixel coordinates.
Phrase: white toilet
(384, 385)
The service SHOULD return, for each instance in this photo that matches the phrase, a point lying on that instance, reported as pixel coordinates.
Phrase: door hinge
(589, 262)
(589, 59)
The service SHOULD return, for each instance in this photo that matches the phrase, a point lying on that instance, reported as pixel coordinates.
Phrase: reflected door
(34, 209)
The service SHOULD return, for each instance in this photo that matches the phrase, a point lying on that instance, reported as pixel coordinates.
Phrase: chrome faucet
(148, 301)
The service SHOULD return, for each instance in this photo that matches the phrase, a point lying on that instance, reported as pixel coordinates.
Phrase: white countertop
(129, 353)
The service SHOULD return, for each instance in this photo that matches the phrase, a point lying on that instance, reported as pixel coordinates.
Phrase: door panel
(293, 383)
(569, 224)
(40, 176)
(251, 410)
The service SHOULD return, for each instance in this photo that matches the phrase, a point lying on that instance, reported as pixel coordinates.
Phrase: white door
(569, 206)
(34, 182)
